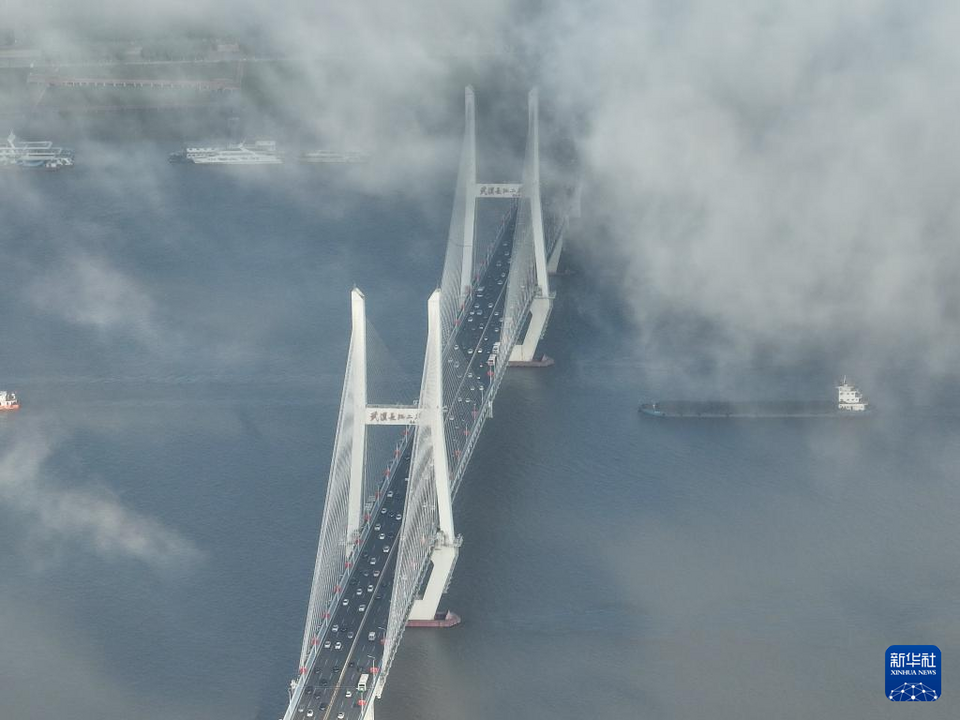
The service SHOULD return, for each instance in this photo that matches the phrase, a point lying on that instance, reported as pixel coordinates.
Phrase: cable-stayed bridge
(388, 544)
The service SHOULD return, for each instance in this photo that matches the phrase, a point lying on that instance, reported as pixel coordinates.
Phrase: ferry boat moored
(8, 401)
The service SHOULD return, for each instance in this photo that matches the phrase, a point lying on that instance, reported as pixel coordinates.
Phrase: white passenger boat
(34, 154)
(260, 152)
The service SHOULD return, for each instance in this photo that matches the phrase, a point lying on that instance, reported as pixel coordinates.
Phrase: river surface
(177, 336)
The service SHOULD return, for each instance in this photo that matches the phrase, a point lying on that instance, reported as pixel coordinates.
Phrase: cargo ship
(8, 401)
(850, 402)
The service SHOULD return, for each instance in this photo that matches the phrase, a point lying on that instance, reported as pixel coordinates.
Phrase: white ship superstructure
(261, 152)
(36, 154)
(8, 401)
(849, 397)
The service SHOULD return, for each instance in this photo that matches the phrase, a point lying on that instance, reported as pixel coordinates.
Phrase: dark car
(309, 690)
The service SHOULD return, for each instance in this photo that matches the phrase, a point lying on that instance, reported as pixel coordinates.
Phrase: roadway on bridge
(346, 650)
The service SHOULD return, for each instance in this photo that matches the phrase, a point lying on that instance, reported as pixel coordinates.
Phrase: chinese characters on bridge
(511, 190)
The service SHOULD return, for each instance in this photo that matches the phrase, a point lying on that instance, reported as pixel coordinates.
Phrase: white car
(338, 646)
(348, 693)
(361, 608)
(326, 645)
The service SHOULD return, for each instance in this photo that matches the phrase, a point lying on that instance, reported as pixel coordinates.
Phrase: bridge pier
(443, 558)
(524, 352)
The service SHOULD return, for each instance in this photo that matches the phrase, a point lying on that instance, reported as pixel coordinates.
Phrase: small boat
(8, 401)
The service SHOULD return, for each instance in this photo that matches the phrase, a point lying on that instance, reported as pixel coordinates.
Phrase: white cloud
(785, 172)
(82, 516)
(88, 290)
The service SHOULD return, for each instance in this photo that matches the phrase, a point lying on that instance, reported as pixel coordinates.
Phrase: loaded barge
(850, 403)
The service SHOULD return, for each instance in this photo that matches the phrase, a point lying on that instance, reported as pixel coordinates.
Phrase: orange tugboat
(8, 401)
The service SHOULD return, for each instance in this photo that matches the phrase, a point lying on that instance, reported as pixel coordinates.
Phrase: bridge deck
(347, 652)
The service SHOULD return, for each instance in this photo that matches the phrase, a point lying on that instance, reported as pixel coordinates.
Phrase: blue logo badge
(913, 673)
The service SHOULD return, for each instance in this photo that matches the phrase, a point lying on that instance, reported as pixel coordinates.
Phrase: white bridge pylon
(349, 489)
(446, 543)
(459, 272)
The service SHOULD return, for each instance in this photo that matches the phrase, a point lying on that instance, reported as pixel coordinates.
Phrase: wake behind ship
(850, 402)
